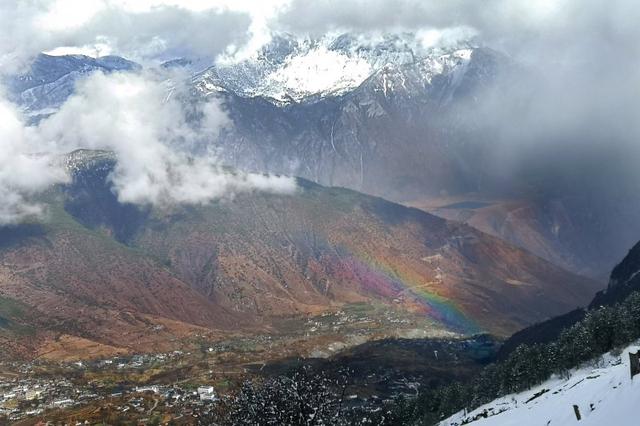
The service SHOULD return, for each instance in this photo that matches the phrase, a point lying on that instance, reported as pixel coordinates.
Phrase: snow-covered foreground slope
(604, 394)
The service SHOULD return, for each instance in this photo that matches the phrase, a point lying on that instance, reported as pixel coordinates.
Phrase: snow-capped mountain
(604, 393)
(294, 70)
(286, 70)
(384, 136)
(345, 110)
(50, 80)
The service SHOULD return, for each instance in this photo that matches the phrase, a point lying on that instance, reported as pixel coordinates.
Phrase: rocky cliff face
(393, 135)
(625, 279)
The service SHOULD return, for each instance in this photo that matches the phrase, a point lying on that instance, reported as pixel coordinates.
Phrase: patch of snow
(605, 395)
(96, 50)
(318, 71)
(292, 70)
(463, 54)
(458, 63)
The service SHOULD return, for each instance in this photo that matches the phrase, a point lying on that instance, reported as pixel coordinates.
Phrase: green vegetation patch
(12, 315)
(11, 309)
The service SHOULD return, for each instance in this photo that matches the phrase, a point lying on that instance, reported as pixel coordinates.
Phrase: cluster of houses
(142, 402)
(202, 393)
(356, 322)
(21, 398)
(27, 394)
(132, 361)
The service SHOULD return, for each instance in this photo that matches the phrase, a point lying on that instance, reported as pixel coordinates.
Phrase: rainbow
(382, 279)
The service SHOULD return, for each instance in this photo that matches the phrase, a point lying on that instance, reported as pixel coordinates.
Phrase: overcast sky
(143, 29)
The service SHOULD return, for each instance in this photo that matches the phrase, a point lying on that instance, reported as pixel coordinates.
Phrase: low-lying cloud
(152, 129)
(153, 133)
(23, 171)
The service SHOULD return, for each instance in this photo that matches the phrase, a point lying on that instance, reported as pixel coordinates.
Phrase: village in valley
(29, 393)
(183, 385)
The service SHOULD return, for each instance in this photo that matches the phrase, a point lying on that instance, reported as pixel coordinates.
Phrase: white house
(206, 393)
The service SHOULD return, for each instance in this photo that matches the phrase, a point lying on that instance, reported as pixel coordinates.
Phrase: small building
(206, 393)
(32, 394)
(143, 389)
(62, 403)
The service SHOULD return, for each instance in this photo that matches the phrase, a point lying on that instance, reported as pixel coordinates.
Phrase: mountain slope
(576, 232)
(333, 243)
(624, 280)
(98, 267)
(604, 394)
(79, 283)
(390, 136)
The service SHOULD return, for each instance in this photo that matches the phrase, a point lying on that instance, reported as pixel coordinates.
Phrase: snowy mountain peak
(286, 70)
(319, 71)
(293, 70)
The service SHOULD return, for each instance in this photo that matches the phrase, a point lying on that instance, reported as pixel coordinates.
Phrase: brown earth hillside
(140, 279)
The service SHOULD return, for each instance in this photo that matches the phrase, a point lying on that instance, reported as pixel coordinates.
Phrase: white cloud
(23, 171)
(138, 30)
(127, 113)
(94, 50)
(64, 15)
(444, 38)
(152, 137)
